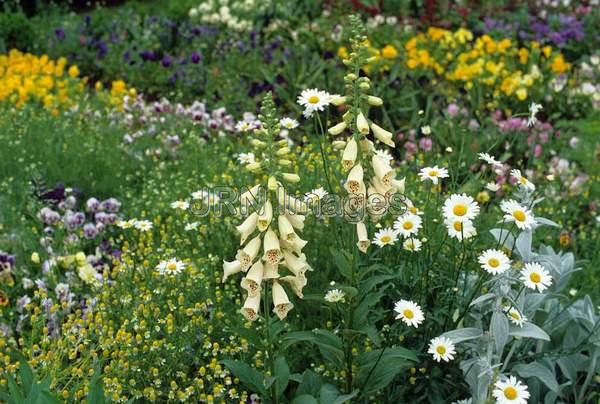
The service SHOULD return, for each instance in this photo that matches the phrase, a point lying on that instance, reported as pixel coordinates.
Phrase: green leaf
(27, 377)
(304, 399)
(310, 385)
(329, 394)
(96, 393)
(282, 375)
(499, 330)
(15, 392)
(539, 371)
(378, 368)
(529, 330)
(342, 262)
(463, 334)
(249, 376)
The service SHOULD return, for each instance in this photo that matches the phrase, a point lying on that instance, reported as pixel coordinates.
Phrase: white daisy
(515, 316)
(490, 160)
(521, 180)
(246, 158)
(288, 123)
(518, 214)
(243, 126)
(206, 196)
(170, 267)
(459, 229)
(126, 224)
(492, 186)
(191, 226)
(407, 224)
(535, 276)
(433, 173)
(494, 261)
(460, 207)
(385, 237)
(533, 111)
(510, 391)
(426, 130)
(183, 205)
(410, 207)
(385, 156)
(334, 296)
(315, 195)
(442, 349)
(313, 100)
(412, 244)
(410, 313)
(143, 225)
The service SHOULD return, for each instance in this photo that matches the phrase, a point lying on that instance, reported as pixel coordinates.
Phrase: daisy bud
(295, 264)
(264, 219)
(297, 283)
(247, 227)
(383, 135)
(250, 196)
(270, 271)
(362, 124)
(339, 100)
(271, 248)
(297, 221)
(349, 155)
(253, 278)
(272, 184)
(286, 230)
(283, 151)
(383, 171)
(251, 306)
(355, 179)
(247, 254)
(337, 129)
(230, 268)
(374, 101)
(363, 237)
(289, 177)
(281, 303)
(253, 167)
(284, 163)
(338, 144)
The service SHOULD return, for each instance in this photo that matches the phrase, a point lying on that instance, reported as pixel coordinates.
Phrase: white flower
(126, 224)
(243, 126)
(442, 349)
(515, 316)
(410, 313)
(494, 261)
(490, 160)
(170, 267)
(313, 100)
(412, 244)
(433, 173)
(315, 195)
(535, 276)
(288, 123)
(385, 156)
(426, 130)
(518, 214)
(492, 186)
(459, 229)
(533, 110)
(334, 296)
(385, 237)
(143, 225)
(408, 224)
(206, 196)
(183, 205)
(246, 158)
(460, 207)
(510, 391)
(522, 181)
(88, 274)
(191, 226)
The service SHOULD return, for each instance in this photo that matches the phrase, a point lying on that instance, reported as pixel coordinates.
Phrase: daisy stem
(323, 157)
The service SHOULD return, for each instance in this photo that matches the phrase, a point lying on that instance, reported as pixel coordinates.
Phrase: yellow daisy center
(413, 210)
(433, 173)
(386, 239)
(407, 225)
(408, 313)
(519, 215)
(441, 349)
(510, 393)
(535, 277)
(458, 226)
(493, 262)
(313, 99)
(523, 180)
(515, 315)
(459, 210)
(172, 266)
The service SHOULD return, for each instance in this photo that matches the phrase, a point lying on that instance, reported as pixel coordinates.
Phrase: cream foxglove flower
(494, 261)
(374, 101)
(510, 391)
(385, 237)
(522, 181)
(442, 349)
(363, 237)
(286, 230)
(349, 155)
(265, 216)
(297, 283)
(247, 227)
(247, 254)
(383, 171)
(291, 177)
(270, 271)
(409, 312)
(230, 268)
(251, 282)
(251, 307)
(460, 230)
(408, 224)
(297, 265)
(383, 135)
(288, 202)
(251, 196)
(535, 276)
(337, 129)
(460, 207)
(281, 303)
(520, 215)
(362, 124)
(297, 221)
(355, 183)
(271, 248)
(433, 173)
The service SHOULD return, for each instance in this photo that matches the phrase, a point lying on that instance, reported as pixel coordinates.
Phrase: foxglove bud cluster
(270, 254)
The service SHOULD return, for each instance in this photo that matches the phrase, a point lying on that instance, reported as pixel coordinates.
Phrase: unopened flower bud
(289, 177)
(375, 101)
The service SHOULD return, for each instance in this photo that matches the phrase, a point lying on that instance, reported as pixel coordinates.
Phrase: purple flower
(111, 205)
(196, 58)
(92, 205)
(60, 33)
(166, 61)
(49, 216)
(89, 231)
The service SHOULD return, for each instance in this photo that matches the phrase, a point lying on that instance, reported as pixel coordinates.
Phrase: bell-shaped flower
(297, 265)
(253, 279)
(271, 248)
(230, 268)
(270, 271)
(362, 124)
(383, 135)
(247, 254)
(363, 237)
(265, 216)
(251, 307)
(349, 155)
(247, 227)
(337, 129)
(383, 171)
(281, 303)
(297, 283)
(286, 230)
(296, 220)
(355, 179)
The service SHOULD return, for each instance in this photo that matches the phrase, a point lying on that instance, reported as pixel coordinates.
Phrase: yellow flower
(73, 71)
(389, 52)
(522, 94)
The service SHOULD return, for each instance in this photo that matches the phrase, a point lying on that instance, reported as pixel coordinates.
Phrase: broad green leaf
(282, 375)
(463, 334)
(499, 330)
(529, 330)
(310, 384)
(539, 371)
(305, 399)
(249, 376)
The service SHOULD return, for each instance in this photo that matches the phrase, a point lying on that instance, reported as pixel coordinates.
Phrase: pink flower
(574, 142)
(537, 151)
(453, 110)
(426, 144)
